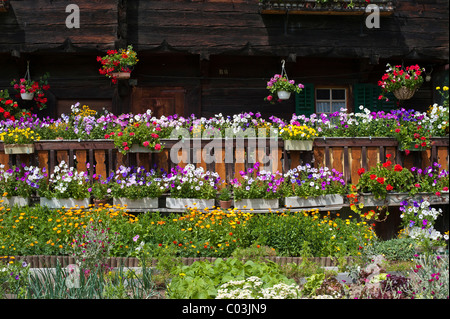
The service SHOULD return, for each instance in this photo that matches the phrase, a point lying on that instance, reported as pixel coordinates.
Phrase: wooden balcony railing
(229, 157)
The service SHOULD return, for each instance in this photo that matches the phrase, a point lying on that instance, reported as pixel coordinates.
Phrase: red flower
(388, 155)
(380, 180)
(424, 144)
(407, 152)
(373, 176)
(398, 168)
(445, 189)
(361, 171)
(389, 187)
(387, 164)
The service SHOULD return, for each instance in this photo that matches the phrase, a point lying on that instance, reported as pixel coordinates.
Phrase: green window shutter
(366, 94)
(304, 101)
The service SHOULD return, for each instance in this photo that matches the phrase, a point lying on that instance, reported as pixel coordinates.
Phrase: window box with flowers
(118, 64)
(19, 140)
(257, 189)
(137, 137)
(412, 134)
(65, 187)
(137, 188)
(403, 82)
(307, 186)
(191, 187)
(297, 137)
(385, 183)
(18, 184)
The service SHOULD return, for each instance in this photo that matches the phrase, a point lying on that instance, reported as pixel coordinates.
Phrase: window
(330, 100)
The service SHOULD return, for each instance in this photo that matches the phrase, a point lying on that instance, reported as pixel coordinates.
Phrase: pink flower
(157, 147)
(145, 143)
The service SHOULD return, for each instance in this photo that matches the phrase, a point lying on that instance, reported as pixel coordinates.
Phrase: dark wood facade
(215, 56)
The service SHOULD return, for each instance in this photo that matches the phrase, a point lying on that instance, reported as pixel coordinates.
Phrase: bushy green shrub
(202, 279)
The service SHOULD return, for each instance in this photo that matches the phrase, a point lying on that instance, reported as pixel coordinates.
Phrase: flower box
(16, 200)
(298, 145)
(395, 199)
(183, 203)
(63, 202)
(19, 148)
(256, 203)
(121, 75)
(141, 149)
(140, 203)
(322, 200)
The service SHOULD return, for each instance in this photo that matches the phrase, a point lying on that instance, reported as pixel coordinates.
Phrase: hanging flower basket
(284, 95)
(27, 96)
(19, 148)
(280, 85)
(404, 93)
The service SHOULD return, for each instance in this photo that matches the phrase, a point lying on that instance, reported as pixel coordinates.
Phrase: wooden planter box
(183, 203)
(63, 202)
(141, 203)
(298, 145)
(16, 200)
(257, 203)
(141, 149)
(19, 148)
(323, 200)
(395, 199)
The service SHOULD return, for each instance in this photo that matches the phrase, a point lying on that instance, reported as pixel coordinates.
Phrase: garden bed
(50, 261)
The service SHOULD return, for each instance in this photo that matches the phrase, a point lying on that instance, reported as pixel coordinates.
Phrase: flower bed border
(50, 261)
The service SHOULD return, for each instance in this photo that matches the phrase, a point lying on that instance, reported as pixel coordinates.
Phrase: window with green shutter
(367, 94)
(304, 101)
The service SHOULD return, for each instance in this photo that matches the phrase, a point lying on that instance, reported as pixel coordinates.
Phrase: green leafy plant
(225, 194)
(202, 279)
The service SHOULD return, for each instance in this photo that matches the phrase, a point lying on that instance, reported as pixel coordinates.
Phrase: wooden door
(160, 100)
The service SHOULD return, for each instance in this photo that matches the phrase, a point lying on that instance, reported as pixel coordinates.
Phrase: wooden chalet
(215, 56)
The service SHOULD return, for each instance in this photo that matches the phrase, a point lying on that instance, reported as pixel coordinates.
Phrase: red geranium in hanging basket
(118, 64)
(403, 82)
